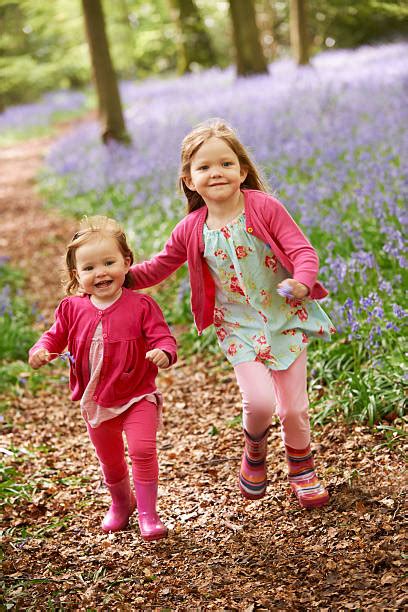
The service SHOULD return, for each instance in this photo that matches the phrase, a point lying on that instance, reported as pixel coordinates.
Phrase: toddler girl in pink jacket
(117, 339)
(253, 275)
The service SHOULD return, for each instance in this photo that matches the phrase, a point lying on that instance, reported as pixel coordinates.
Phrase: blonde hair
(88, 228)
(196, 138)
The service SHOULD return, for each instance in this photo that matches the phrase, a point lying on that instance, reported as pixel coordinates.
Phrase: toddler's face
(101, 268)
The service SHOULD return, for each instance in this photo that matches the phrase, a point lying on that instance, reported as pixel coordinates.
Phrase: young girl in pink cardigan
(117, 339)
(253, 275)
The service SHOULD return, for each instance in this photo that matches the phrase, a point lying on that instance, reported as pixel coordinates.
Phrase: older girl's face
(215, 172)
(101, 268)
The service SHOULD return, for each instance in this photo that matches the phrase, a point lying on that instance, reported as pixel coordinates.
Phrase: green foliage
(17, 376)
(142, 37)
(205, 344)
(11, 276)
(16, 317)
(12, 490)
(362, 386)
(195, 49)
(357, 23)
(44, 47)
(236, 422)
(15, 331)
(394, 435)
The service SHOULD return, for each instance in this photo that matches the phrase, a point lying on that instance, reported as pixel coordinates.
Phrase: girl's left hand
(298, 290)
(158, 357)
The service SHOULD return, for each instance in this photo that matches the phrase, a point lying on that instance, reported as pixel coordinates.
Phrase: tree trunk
(195, 44)
(298, 31)
(110, 108)
(249, 55)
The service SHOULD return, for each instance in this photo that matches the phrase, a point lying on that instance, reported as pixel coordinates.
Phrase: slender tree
(250, 58)
(110, 107)
(298, 31)
(195, 46)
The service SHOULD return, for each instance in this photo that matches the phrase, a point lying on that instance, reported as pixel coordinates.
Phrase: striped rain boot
(252, 476)
(303, 480)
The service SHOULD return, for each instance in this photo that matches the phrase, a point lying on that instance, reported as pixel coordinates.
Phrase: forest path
(32, 237)
(223, 553)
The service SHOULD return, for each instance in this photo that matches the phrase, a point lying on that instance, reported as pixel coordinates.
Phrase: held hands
(158, 357)
(292, 288)
(39, 358)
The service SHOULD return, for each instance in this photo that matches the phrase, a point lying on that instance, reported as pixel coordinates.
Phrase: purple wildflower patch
(322, 139)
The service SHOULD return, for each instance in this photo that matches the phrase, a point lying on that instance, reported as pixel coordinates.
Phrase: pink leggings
(139, 423)
(264, 391)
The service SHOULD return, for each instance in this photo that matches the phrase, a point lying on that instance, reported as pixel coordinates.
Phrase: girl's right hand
(291, 288)
(39, 358)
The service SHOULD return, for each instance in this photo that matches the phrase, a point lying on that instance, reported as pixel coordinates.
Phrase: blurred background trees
(109, 103)
(43, 44)
(195, 47)
(249, 55)
(299, 35)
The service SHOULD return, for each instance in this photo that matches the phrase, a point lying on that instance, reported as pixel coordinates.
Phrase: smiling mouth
(103, 284)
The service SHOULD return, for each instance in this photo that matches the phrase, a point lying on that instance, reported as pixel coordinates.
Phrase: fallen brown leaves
(223, 553)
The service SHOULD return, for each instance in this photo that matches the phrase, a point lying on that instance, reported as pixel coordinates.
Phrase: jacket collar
(201, 217)
(123, 297)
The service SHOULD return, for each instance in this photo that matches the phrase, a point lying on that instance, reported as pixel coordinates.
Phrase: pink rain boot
(252, 475)
(123, 505)
(151, 527)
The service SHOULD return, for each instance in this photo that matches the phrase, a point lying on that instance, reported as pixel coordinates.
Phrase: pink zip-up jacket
(266, 218)
(131, 326)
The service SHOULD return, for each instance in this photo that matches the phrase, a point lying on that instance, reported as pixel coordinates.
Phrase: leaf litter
(223, 552)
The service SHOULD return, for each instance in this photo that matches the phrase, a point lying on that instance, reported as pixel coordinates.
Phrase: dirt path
(223, 553)
(32, 238)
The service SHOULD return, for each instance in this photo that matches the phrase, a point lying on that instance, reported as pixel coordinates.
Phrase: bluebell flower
(285, 291)
(67, 356)
(330, 152)
(5, 301)
(398, 311)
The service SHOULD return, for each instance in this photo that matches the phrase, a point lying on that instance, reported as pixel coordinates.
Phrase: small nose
(215, 171)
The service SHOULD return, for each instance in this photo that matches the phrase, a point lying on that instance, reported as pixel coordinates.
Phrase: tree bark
(298, 32)
(195, 46)
(110, 107)
(249, 54)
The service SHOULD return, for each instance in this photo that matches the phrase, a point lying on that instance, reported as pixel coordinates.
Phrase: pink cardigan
(131, 326)
(266, 218)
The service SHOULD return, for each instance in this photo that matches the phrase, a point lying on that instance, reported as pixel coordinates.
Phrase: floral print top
(253, 322)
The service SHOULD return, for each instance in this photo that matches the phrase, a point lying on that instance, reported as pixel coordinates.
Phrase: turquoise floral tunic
(253, 322)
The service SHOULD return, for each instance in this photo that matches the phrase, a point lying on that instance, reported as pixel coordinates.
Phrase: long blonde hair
(196, 138)
(88, 228)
